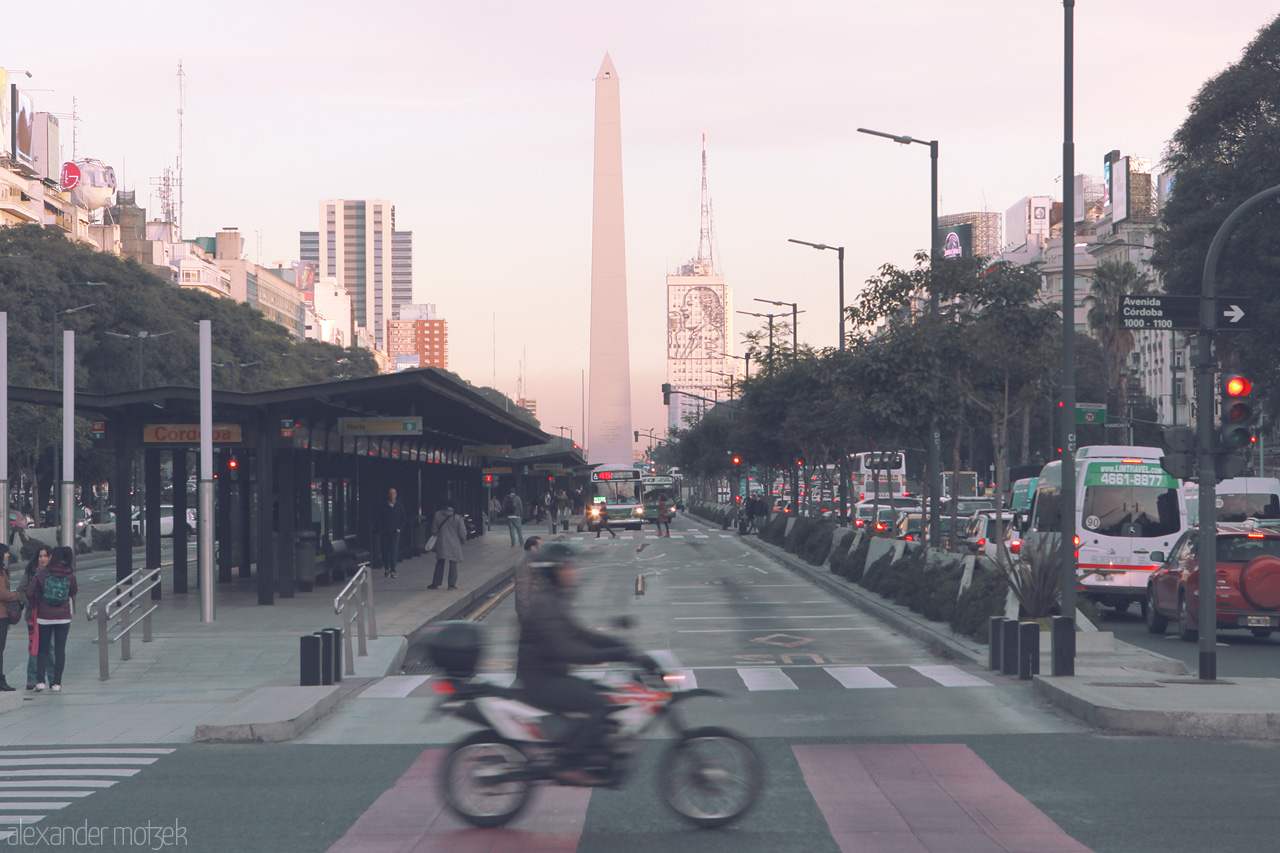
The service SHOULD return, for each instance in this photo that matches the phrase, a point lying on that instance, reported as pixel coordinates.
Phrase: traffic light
(488, 479)
(737, 460)
(666, 395)
(637, 432)
(1238, 415)
(1179, 460)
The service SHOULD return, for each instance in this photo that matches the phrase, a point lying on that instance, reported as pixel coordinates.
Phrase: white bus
(1126, 507)
(618, 488)
(881, 473)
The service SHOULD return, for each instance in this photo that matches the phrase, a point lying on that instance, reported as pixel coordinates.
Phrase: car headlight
(595, 510)
(639, 510)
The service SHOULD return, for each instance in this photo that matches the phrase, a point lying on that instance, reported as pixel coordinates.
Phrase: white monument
(609, 434)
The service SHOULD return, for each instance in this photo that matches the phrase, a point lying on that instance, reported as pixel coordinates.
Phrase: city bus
(653, 487)
(878, 473)
(1126, 506)
(618, 487)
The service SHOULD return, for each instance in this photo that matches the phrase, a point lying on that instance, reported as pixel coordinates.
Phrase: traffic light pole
(1205, 368)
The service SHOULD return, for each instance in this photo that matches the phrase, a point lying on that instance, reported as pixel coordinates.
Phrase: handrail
(123, 599)
(359, 589)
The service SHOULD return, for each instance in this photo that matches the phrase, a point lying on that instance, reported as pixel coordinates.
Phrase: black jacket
(550, 640)
(391, 518)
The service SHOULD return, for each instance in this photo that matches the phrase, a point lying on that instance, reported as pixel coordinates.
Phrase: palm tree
(1113, 279)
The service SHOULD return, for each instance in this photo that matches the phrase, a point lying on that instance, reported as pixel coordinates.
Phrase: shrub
(856, 562)
(102, 540)
(899, 582)
(815, 549)
(840, 562)
(984, 598)
(775, 532)
(875, 572)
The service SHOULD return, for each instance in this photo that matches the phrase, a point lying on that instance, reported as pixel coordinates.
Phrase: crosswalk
(624, 535)
(36, 783)
(738, 679)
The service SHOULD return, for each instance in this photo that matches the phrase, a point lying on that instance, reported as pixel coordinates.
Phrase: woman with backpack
(37, 562)
(51, 591)
(7, 597)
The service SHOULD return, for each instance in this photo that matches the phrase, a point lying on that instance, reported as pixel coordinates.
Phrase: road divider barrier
(123, 601)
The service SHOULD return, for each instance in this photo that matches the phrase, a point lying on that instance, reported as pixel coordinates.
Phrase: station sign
(506, 470)
(1164, 311)
(487, 449)
(190, 434)
(410, 425)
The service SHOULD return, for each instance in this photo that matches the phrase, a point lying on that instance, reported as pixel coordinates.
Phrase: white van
(1126, 506)
(1243, 498)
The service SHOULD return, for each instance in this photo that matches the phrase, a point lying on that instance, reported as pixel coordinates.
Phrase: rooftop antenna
(182, 106)
(705, 262)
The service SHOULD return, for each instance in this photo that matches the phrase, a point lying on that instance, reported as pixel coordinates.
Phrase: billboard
(24, 128)
(696, 321)
(1120, 191)
(6, 115)
(48, 146)
(956, 241)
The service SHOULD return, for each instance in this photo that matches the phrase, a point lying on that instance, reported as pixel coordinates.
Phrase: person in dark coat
(390, 521)
(7, 596)
(450, 531)
(52, 590)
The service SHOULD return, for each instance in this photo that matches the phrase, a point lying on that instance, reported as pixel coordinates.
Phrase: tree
(1112, 280)
(1221, 155)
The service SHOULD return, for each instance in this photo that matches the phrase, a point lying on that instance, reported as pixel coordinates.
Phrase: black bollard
(995, 633)
(1063, 639)
(309, 655)
(335, 642)
(1028, 650)
(326, 657)
(1009, 647)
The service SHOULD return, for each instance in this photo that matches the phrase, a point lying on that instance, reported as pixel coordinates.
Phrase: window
(1141, 511)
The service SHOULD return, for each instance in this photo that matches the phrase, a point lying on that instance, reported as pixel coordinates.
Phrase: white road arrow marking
(1235, 314)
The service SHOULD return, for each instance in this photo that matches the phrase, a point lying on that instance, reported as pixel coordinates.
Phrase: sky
(476, 120)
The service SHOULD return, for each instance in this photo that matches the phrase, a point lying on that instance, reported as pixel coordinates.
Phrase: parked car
(1248, 582)
(166, 520)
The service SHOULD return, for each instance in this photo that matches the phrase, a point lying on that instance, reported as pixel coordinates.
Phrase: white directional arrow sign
(1234, 313)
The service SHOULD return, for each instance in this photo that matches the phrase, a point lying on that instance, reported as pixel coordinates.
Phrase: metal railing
(360, 590)
(123, 601)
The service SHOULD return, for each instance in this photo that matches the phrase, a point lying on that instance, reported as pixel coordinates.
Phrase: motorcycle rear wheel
(710, 777)
(476, 780)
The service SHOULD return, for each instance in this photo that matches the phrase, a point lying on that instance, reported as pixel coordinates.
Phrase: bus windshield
(616, 485)
(1137, 511)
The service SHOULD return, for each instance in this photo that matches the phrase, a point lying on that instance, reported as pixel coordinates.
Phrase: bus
(878, 473)
(1126, 506)
(618, 487)
(654, 487)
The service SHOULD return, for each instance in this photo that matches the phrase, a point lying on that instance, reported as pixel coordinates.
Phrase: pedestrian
(553, 509)
(762, 514)
(528, 582)
(495, 510)
(603, 523)
(38, 561)
(391, 519)
(52, 590)
(450, 532)
(12, 606)
(513, 510)
(664, 516)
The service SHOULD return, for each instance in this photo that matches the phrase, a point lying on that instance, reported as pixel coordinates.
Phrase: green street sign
(1091, 413)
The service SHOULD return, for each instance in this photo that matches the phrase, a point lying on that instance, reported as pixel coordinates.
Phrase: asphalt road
(1239, 653)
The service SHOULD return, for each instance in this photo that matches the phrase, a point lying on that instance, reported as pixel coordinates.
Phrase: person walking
(9, 599)
(37, 562)
(513, 510)
(495, 511)
(527, 581)
(664, 516)
(52, 590)
(553, 509)
(603, 524)
(391, 520)
(450, 532)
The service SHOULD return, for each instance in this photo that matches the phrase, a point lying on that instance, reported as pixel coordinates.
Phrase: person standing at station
(9, 598)
(450, 532)
(52, 589)
(513, 511)
(526, 580)
(391, 520)
(38, 561)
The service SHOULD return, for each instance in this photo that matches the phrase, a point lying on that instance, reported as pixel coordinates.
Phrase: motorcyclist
(550, 640)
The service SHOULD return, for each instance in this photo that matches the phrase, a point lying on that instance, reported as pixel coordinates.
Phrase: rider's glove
(646, 663)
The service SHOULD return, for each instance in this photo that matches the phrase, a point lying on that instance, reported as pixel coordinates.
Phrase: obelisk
(609, 434)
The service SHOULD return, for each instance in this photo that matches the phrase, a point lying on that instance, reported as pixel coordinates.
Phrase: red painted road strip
(411, 816)
(922, 798)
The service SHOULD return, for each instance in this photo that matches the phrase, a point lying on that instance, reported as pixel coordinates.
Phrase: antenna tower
(182, 106)
(705, 263)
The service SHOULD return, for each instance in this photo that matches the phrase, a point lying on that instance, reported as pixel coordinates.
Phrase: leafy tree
(1113, 279)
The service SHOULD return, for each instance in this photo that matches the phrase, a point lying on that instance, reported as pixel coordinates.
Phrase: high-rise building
(359, 246)
(699, 326)
(418, 338)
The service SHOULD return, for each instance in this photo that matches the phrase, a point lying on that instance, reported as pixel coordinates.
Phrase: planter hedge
(983, 599)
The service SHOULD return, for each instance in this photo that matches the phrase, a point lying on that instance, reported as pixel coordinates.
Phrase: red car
(1248, 583)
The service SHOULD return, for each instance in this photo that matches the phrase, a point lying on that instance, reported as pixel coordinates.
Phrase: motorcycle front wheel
(486, 780)
(710, 777)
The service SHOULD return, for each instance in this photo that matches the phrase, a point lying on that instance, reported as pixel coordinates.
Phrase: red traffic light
(1237, 386)
(737, 460)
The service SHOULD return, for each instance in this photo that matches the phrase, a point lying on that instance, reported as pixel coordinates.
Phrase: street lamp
(562, 429)
(728, 376)
(235, 366)
(142, 336)
(935, 437)
(840, 253)
(795, 321)
(747, 363)
(56, 315)
(770, 318)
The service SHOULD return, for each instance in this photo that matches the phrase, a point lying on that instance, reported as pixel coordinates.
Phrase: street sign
(407, 425)
(495, 470)
(1091, 413)
(1164, 311)
(487, 449)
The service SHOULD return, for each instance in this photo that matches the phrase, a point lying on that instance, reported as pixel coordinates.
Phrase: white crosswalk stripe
(766, 678)
(35, 783)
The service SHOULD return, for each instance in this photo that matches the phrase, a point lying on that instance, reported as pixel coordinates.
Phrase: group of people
(45, 601)
(755, 513)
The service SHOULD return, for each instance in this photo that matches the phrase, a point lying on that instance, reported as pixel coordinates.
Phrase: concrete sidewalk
(235, 679)
(1117, 687)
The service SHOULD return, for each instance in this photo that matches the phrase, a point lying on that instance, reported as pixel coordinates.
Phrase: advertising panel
(956, 241)
(6, 115)
(1120, 191)
(696, 321)
(48, 145)
(24, 128)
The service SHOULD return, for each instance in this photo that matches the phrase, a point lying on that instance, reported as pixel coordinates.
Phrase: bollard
(326, 657)
(1028, 650)
(639, 584)
(1009, 647)
(1063, 640)
(309, 655)
(335, 643)
(995, 633)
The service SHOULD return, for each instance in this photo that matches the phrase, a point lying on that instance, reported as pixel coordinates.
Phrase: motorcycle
(710, 776)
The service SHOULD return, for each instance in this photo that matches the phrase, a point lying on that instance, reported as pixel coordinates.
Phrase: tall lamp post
(140, 336)
(935, 437)
(795, 319)
(840, 252)
(1064, 637)
(770, 318)
(56, 315)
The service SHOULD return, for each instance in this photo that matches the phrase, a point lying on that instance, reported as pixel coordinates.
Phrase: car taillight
(1015, 546)
(880, 525)
(909, 538)
(443, 687)
(1075, 540)
(982, 542)
(1256, 535)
